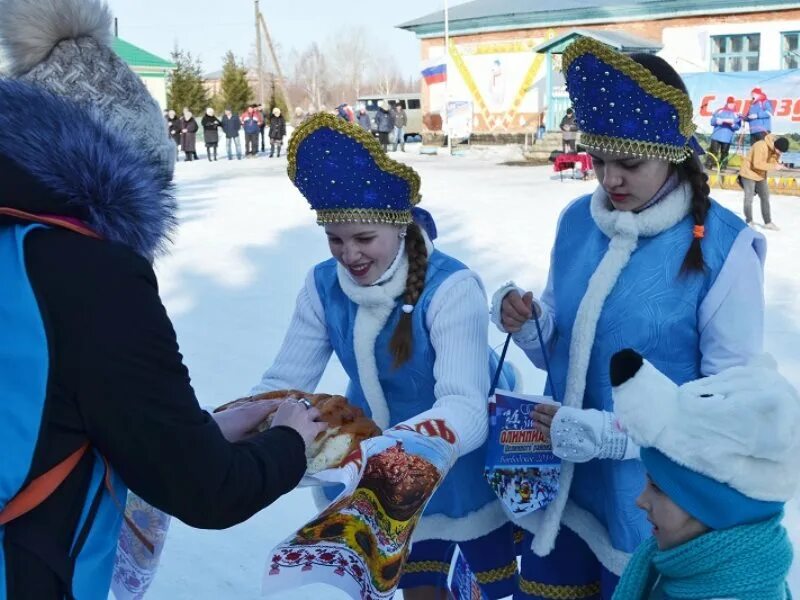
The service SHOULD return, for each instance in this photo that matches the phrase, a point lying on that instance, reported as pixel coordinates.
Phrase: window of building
(790, 50)
(731, 53)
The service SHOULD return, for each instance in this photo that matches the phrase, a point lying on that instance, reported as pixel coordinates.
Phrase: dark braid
(692, 171)
(402, 339)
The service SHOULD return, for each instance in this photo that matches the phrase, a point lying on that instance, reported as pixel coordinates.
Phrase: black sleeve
(139, 410)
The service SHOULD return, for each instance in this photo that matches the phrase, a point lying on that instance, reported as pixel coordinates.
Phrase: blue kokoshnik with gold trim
(345, 175)
(622, 108)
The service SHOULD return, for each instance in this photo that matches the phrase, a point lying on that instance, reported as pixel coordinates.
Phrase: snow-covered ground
(246, 241)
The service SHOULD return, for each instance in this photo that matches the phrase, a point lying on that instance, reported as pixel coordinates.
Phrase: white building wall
(157, 86)
(688, 49)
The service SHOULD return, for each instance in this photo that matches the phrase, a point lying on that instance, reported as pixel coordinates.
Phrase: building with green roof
(151, 68)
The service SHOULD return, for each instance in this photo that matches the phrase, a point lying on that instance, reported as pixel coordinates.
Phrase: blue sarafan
(622, 108)
(346, 177)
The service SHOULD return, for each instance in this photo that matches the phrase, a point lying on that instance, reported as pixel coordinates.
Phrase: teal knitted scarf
(749, 562)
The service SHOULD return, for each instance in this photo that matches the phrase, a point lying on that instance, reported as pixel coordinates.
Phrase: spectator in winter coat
(759, 116)
(251, 121)
(210, 125)
(764, 156)
(299, 116)
(384, 123)
(262, 124)
(232, 125)
(189, 135)
(569, 132)
(363, 118)
(399, 130)
(716, 482)
(174, 129)
(277, 131)
(726, 122)
(91, 379)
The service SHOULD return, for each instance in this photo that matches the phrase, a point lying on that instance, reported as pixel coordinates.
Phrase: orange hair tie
(699, 232)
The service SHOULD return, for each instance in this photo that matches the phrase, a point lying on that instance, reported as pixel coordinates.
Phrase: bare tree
(311, 73)
(385, 75)
(351, 53)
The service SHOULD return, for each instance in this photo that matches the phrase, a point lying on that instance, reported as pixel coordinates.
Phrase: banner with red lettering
(709, 92)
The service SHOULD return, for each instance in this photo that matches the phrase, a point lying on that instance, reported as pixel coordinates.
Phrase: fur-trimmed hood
(59, 158)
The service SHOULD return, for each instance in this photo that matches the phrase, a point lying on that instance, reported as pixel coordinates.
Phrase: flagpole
(447, 74)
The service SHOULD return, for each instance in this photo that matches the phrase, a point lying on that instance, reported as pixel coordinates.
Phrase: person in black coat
(174, 128)
(189, 135)
(277, 131)
(210, 125)
(384, 123)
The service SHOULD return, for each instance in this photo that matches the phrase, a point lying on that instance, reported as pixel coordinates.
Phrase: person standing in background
(210, 125)
(763, 157)
(569, 132)
(189, 135)
(726, 122)
(363, 118)
(277, 131)
(252, 127)
(262, 124)
(384, 123)
(174, 129)
(759, 116)
(232, 125)
(399, 131)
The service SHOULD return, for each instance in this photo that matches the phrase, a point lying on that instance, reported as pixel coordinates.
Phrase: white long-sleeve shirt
(458, 326)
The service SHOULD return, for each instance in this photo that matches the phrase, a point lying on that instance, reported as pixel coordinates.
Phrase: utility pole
(259, 57)
(447, 79)
(281, 80)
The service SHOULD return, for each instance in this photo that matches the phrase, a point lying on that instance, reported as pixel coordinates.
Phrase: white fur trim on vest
(596, 537)
(463, 529)
(375, 306)
(623, 228)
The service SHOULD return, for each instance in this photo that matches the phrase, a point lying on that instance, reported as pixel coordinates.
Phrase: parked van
(412, 103)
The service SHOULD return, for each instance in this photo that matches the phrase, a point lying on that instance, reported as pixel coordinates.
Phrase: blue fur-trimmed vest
(651, 309)
(409, 389)
(23, 386)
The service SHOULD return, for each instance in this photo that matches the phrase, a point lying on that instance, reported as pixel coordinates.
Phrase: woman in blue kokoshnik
(649, 262)
(409, 325)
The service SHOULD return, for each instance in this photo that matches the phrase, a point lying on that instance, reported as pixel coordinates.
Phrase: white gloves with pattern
(580, 435)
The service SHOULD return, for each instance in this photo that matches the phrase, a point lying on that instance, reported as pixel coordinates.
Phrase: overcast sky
(209, 29)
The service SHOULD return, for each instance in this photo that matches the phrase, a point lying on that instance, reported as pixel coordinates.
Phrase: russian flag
(435, 73)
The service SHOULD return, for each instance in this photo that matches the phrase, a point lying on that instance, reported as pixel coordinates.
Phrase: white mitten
(580, 435)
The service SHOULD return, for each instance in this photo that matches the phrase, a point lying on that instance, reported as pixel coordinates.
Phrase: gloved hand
(512, 312)
(580, 435)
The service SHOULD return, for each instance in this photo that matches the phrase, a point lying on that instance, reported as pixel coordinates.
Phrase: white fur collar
(375, 305)
(390, 271)
(624, 229)
(663, 215)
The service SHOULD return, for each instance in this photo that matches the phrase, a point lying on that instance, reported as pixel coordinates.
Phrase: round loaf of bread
(348, 426)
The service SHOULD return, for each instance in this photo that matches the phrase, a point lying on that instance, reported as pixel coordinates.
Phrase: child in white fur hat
(720, 455)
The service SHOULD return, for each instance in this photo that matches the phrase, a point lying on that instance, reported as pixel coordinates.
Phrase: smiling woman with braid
(409, 325)
(649, 262)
